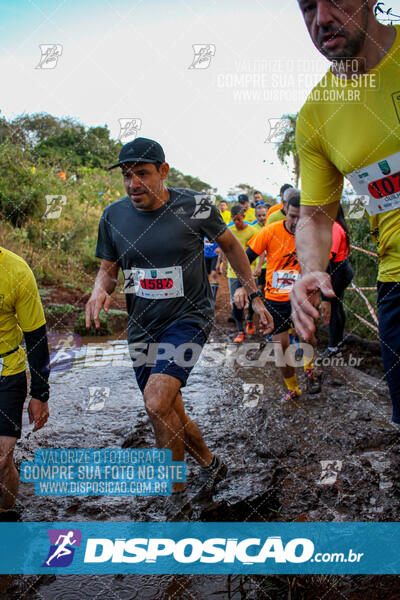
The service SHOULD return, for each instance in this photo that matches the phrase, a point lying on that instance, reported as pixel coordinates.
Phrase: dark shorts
(389, 334)
(211, 263)
(177, 360)
(261, 279)
(281, 313)
(13, 390)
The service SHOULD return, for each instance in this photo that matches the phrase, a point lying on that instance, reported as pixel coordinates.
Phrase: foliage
(176, 179)
(62, 143)
(113, 320)
(23, 186)
(286, 148)
(365, 269)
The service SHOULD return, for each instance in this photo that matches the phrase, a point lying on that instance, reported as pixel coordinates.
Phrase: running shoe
(290, 395)
(178, 507)
(209, 477)
(331, 351)
(241, 336)
(313, 382)
(250, 329)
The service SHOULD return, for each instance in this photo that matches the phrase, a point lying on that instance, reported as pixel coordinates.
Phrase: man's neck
(379, 40)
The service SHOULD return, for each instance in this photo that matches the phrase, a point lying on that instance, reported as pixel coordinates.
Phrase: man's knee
(157, 405)
(7, 466)
(7, 445)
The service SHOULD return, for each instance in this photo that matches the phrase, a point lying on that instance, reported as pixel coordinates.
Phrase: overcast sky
(131, 59)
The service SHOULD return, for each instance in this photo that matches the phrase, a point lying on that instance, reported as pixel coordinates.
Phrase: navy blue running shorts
(173, 352)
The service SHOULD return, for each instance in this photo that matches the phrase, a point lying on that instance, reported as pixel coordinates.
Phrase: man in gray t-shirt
(156, 236)
(161, 253)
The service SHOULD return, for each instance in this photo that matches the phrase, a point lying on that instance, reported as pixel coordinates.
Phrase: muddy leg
(9, 478)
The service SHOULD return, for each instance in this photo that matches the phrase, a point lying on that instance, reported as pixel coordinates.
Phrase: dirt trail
(330, 457)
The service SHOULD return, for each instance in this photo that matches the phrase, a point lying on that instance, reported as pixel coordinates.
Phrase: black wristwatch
(254, 295)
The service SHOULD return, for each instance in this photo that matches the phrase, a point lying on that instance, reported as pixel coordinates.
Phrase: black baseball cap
(140, 150)
(242, 198)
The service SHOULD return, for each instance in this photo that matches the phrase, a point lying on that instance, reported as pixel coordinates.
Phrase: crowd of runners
(283, 264)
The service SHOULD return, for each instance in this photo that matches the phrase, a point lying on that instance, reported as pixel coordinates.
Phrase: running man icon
(63, 543)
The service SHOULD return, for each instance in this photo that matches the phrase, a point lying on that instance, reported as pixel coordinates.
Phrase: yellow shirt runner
(226, 215)
(243, 237)
(353, 125)
(20, 310)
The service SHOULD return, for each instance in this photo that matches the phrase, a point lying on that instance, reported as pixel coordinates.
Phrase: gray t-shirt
(161, 253)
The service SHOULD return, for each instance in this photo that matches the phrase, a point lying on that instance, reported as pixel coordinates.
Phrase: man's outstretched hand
(98, 299)
(266, 322)
(305, 300)
(38, 413)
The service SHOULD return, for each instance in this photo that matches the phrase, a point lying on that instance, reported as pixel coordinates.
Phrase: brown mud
(329, 457)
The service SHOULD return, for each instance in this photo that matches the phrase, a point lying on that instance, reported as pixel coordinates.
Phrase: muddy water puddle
(328, 457)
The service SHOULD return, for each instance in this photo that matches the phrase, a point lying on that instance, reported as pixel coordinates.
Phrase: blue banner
(200, 548)
(103, 472)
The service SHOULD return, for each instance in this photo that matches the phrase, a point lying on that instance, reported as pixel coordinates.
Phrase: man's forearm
(314, 237)
(106, 281)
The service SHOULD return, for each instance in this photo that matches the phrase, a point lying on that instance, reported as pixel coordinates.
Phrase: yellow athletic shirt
(20, 309)
(277, 215)
(226, 215)
(243, 237)
(336, 137)
(250, 215)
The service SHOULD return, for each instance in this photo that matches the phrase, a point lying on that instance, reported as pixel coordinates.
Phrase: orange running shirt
(283, 268)
(339, 243)
(273, 208)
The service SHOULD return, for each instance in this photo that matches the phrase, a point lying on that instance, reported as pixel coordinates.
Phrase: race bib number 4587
(379, 183)
(155, 284)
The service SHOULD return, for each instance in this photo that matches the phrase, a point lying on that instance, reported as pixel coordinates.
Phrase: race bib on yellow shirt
(283, 281)
(379, 184)
(155, 284)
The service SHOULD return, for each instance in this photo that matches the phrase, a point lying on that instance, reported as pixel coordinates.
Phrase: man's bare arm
(240, 264)
(313, 244)
(104, 286)
(314, 236)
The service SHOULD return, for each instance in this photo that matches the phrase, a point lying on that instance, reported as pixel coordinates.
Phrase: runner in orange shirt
(283, 270)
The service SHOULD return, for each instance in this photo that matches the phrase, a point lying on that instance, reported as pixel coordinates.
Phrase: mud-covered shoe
(239, 338)
(250, 329)
(313, 382)
(178, 507)
(331, 351)
(210, 476)
(290, 395)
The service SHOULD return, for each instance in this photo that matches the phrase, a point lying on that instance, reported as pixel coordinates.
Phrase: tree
(286, 148)
(177, 179)
(245, 188)
(62, 143)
